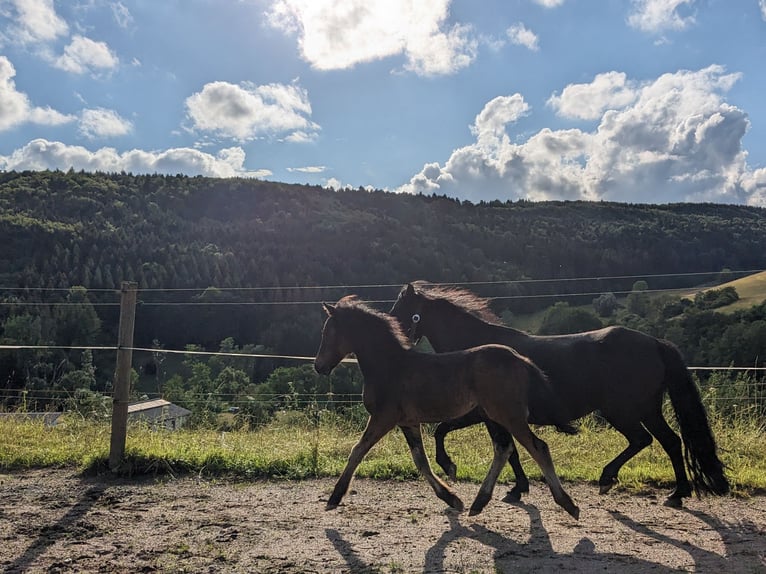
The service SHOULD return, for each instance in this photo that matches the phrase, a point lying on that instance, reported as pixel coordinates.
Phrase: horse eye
(416, 318)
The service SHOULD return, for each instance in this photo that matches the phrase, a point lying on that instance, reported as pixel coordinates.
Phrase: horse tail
(545, 405)
(700, 451)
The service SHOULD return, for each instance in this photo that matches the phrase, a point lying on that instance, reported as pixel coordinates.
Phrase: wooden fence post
(122, 375)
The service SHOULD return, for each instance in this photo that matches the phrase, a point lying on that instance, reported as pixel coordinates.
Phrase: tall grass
(297, 445)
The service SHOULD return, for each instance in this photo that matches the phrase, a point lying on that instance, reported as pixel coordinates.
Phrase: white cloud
(660, 15)
(122, 15)
(522, 36)
(308, 169)
(15, 108)
(85, 55)
(244, 112)
(103, 123)
(42, 154)
(33, 22)
(590, 101)
(671, 139)
(762, 4)
(489, 125)
(336, 35)
(549, 3)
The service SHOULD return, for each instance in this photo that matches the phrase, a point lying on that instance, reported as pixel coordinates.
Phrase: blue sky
(625, 100)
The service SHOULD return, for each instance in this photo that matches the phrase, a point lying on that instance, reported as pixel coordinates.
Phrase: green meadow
(298, 446)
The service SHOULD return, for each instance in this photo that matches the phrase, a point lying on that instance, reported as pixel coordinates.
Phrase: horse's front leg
(415, 442)
(502, 444)
(376, 429)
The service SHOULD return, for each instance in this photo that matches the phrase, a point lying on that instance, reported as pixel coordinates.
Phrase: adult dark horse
(620, 372)
(404, 388)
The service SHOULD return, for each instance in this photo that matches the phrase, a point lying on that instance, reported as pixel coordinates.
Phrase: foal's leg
(444, 460)
(502, 436)
(415, 442)
(376, 429)
(540, 452)
(670, 441)
(502, 443)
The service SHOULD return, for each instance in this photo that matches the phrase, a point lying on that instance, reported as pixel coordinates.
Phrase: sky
(641, 101)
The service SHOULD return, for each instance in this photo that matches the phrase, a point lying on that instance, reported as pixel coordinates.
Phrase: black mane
(462, 298)
(352, 308)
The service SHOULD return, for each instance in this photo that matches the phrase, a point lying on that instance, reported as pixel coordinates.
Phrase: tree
(561, 319)
(605, 304)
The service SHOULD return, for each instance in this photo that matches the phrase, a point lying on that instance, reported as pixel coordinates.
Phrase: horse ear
(410, 290)
(329, 309)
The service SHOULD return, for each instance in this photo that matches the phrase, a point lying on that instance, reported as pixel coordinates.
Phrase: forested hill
(63, 229)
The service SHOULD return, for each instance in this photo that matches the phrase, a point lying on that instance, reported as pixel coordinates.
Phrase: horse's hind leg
(376, 429)
(540, 452)
(502, 443)
(638, 440)
(415, 442)
(671, 443)
(500, 435)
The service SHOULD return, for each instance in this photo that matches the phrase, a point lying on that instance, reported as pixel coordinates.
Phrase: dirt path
(54, 521)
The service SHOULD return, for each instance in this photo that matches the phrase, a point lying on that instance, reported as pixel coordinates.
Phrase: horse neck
(453, 328)
(377, 351)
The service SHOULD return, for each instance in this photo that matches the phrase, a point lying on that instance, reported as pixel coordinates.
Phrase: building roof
(157, 408)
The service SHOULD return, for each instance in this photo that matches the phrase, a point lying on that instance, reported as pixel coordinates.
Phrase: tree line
(241, 247)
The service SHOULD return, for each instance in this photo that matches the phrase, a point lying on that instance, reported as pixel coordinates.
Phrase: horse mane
(355, 308)
(462, 298)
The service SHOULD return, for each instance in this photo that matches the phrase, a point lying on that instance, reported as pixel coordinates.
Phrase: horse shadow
(734, 537)
(537, 554)
(59, 530)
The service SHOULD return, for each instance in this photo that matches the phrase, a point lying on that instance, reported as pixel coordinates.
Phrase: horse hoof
(331, 506)
(512, 497)
(455, 503)
(574, 511)
(604, 488)
(674, 502)
(452, 473)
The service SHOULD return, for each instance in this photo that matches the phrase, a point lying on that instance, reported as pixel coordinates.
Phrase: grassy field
(295, 447)
(751, 291)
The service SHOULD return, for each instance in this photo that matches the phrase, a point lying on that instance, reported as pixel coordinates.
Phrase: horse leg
(415, 442)
(542, 456)
(500, 435)
(638, 440)
(671, 443)
(502, 444)
(375, 430)
(442, 458)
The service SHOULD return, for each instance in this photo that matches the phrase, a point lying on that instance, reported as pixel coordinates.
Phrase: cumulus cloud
(103, 123)
(244, 112)
(661, 15)
(523, 36)
(589, 101)
(336, 35)
(33, 22)
(41, 154)
(674, 138)
(15, 107)
(549, 3)
(762, 4)
(85, 55)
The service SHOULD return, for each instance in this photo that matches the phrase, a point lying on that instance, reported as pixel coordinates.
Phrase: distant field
(751, 291)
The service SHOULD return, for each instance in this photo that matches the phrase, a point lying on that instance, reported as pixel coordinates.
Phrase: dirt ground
(56, 521)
